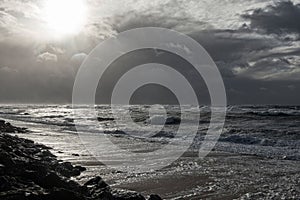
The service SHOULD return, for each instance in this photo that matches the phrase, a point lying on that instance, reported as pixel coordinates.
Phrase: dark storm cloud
(281, 18)
(256, 68)
(230, 49)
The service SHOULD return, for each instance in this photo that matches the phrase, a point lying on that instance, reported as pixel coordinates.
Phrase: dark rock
(17, 195)
(6, 159)
(116, 132)
(103, 194)
(164, 134)
(155, 197)
(45, 154)
(80, 168)
(102, 119)
(75, 154)
(5, 183)
(51, 180)
(6, 127)
(173, 121)
(97, 181)
(54, 116)
(67, 165)
(63, 194)
(28, 141)
(41, 146)
(66, 169)
(69, 120)
(241, 139)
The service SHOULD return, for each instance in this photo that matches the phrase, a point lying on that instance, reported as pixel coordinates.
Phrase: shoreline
(30, 171)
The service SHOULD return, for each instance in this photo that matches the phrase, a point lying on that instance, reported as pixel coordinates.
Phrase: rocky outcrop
(29, 171)
(6, 127)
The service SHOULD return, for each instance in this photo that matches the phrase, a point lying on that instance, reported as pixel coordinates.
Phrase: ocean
(254, 138)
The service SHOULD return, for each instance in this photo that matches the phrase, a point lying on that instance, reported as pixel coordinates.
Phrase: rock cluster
(29, 171)
(6, 127)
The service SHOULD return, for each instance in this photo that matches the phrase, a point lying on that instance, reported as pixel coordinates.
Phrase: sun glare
(65, 17)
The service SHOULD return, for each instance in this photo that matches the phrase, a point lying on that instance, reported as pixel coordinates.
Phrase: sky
(255, 44)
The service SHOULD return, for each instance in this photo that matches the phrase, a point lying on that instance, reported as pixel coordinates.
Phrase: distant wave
(274, 113)
(255, 128)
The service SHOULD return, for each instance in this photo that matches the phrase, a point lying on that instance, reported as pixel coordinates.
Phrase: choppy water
(268, 131)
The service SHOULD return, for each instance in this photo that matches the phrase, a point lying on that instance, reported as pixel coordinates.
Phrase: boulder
(102, 119)
(80, 168)
(52, 180)
(97, 181)
(154, 197)
(62, 194)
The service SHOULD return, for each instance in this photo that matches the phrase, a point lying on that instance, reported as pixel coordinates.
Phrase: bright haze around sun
(65, 17)
(254, 43)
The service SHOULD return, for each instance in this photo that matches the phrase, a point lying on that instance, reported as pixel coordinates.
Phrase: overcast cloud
(255, 43)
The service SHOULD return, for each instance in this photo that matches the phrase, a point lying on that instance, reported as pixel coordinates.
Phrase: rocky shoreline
(29, 171)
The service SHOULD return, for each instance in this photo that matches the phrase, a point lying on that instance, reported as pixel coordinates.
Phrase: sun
(65, 17)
